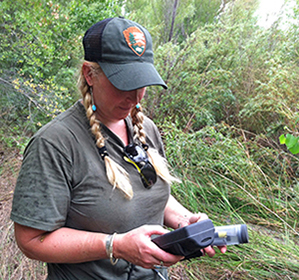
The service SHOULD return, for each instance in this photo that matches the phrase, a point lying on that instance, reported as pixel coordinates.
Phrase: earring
(138, 106)
(93, 107)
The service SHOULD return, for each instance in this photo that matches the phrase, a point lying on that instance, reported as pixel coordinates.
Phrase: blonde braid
(117, 176)
(160, 164)
(137, 120)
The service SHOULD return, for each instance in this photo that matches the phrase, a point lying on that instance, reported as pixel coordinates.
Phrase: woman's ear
(87, 72)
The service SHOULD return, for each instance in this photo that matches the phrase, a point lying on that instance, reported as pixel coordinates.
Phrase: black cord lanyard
(155, 270)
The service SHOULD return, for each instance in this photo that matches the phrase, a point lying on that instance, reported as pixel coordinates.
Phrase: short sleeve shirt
(63, 183)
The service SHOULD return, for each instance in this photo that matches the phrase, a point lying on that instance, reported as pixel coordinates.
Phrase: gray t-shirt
(63, 183)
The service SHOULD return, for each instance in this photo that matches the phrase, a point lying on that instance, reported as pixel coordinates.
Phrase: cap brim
(132, 76)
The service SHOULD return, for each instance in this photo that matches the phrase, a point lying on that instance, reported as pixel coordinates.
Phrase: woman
(94, 186)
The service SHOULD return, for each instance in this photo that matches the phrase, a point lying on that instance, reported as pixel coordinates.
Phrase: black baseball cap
(123, 49)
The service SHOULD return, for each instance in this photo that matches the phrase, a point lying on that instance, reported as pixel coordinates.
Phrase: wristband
(109, 248)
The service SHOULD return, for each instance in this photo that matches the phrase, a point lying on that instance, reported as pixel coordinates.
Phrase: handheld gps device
(188, 241)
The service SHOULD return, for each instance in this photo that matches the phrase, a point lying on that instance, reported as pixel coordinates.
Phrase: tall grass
(239, 182)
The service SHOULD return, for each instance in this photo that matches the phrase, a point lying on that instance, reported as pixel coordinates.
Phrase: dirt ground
(13, 264)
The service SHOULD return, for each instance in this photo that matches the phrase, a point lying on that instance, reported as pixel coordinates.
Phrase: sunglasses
(137, 156)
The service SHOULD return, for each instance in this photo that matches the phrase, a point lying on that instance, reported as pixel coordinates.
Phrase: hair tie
(93, 107)
(145, 146)
(103, 152)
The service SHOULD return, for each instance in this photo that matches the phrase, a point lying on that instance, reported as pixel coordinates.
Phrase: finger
(198, 217)
(167, 258)
(149, 263)
(164, 264)
(209, 251)
(155, 230)
(222, 249)
(160, 263)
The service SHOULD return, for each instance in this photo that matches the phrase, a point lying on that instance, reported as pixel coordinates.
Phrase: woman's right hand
(136, 247)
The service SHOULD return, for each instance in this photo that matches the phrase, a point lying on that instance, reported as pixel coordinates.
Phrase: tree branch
(173, 19)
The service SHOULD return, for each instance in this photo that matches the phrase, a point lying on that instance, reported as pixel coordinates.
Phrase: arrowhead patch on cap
(135, 39)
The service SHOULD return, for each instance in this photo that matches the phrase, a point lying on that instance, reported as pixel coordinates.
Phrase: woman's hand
(177, 216)
(208, 250)
(136, 247)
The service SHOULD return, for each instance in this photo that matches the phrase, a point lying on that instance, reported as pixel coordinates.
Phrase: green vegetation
(231, 105)
(39, 54)
(291, 141)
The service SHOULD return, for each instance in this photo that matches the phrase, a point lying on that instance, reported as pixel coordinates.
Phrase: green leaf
(282, 139)
(291, 140)
(295, 149)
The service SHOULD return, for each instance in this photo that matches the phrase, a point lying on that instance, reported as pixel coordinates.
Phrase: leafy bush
(40, 51)
(231, 71)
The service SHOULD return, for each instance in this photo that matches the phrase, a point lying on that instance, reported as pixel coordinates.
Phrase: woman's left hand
(177, 216)
(208, 250)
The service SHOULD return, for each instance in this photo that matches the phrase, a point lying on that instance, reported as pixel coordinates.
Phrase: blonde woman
(94, 184)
